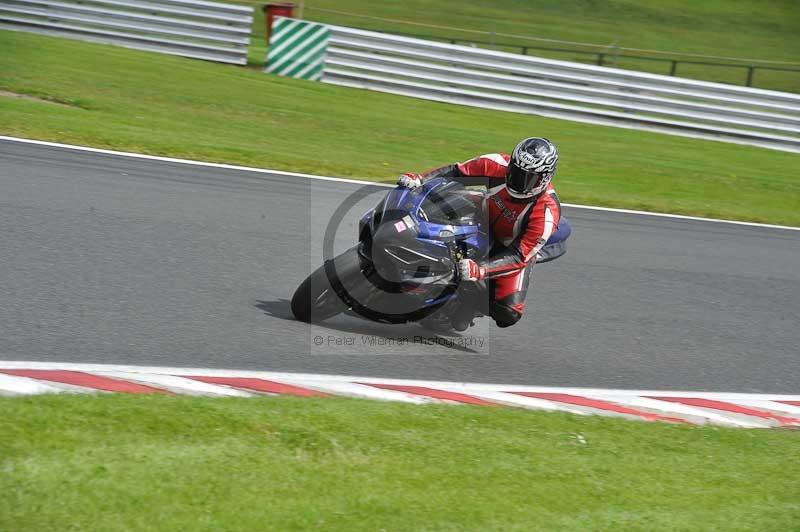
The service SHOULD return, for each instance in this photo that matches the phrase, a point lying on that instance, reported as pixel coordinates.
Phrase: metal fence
(577, 91)
(192, 28)
(745, 73)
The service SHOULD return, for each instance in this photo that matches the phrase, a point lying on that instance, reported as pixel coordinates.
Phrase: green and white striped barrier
(297, 48)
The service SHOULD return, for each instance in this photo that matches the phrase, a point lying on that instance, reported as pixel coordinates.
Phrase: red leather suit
(519, 227)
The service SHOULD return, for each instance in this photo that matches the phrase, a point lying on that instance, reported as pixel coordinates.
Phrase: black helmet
(531, 168)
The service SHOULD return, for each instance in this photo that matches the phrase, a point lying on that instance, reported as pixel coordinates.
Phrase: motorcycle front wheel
(315, 300)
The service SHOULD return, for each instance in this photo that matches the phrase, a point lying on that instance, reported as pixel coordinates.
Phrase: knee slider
(505, 316)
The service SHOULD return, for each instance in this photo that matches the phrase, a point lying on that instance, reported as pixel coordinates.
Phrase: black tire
(315, 300)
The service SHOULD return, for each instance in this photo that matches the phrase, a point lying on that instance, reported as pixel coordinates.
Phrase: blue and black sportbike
(405, 265)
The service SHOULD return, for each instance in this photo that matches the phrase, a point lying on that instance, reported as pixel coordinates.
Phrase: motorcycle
(405, 265)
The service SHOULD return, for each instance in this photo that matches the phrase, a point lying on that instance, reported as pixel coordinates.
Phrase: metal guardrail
(192, 28)
(610, 56)
(577, 91)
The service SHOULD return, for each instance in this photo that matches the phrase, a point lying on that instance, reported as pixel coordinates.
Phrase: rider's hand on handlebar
(470, 270)
(409, 180)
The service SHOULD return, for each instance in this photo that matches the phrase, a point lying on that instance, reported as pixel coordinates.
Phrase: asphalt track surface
(108, 259)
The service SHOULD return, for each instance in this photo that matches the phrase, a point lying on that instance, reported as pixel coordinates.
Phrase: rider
(523, 212)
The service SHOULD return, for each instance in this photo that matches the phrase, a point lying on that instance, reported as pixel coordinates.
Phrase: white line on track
(361, 182)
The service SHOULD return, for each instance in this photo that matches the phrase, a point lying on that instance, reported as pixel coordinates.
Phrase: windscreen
(450, 205)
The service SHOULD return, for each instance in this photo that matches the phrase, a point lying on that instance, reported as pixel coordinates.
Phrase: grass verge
(116, 462)
(150, 103)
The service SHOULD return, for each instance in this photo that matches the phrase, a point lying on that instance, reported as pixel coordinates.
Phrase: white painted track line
(184, 161)
(361, 182)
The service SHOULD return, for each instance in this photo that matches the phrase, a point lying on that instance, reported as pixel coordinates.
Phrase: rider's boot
(471, 298)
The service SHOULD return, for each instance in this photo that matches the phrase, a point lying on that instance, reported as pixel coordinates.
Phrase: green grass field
(750, 29)
(138, 101)
(115, 462)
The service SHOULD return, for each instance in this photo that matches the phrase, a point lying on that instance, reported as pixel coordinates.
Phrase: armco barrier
(561, 89)
(192, 28)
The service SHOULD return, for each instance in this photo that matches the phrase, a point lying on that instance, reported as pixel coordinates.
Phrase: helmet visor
(522, 182)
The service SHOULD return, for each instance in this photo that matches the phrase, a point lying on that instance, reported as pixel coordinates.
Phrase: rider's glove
(470, 270)
(409, 180)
